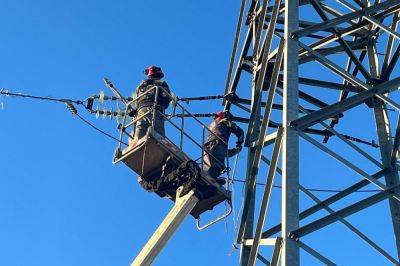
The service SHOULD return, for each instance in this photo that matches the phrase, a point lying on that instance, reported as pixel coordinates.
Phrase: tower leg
(391, 178)
(290, 145)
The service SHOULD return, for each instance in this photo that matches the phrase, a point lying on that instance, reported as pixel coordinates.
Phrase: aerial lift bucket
(147, 158)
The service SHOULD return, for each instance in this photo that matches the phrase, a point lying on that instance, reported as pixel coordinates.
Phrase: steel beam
(349, 143)
(305, 57)
(335, 68)
(265, 198)
(315, 254)
(263, 260)
(305, 24)
(396, 144)
(343, 95)
(260, 77)
(235, 45)
(327, 220)
(388, 71)
(262, 242)
(238, 70)
(345, 162)
(391, 178)
(290, 147)
(327, 84)
(248, 223)
(347, 5)
(317, 6)
(352, 228)
(250, 182)
(389, 45)
(259, 27)
(382, 26)
(277, 251)
(345, 18)
(250, 192)
(351, 29)
(332, 199)
(346, 104)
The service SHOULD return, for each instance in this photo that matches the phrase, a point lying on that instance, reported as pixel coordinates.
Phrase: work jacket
(148, 99)
(221, 129)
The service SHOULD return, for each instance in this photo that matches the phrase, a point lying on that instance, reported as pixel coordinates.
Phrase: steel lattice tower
(278, 39)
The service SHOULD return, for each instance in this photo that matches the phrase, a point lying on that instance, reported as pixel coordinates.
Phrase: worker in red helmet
(216, 147)
(146, 95)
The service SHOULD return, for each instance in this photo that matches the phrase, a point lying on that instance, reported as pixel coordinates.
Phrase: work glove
(234, 151)
(132, 112)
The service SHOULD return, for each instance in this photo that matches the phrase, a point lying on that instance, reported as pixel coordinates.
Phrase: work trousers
(214, 157)
(145, 122)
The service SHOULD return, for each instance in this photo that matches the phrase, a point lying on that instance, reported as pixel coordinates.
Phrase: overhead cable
(314, 189)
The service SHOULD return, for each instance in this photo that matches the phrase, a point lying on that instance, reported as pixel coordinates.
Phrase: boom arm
(183, 206)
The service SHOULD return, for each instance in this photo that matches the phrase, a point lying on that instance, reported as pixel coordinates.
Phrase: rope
(234, 218)
(228, 187)
(230, 182)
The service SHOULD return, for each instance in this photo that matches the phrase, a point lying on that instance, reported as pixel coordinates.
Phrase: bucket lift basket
(148, 155)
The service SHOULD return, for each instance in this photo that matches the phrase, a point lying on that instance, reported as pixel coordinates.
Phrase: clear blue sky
(62, 202)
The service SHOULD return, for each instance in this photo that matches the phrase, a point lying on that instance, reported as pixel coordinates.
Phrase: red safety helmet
(222, 115)
(154, 72)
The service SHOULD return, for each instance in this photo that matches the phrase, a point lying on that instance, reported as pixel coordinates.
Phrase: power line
(44, 98)
(313, 189)
(68, 102)
(74, 111)
(98, 129)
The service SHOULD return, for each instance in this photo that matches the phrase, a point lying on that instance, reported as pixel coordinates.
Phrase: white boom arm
(183, 206)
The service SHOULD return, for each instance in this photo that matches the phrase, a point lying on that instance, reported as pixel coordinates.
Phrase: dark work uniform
(146, 103)
(216, 148)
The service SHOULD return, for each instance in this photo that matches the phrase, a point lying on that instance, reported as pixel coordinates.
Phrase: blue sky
(62, 201)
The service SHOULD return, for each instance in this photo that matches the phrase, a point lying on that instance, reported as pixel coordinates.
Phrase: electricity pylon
(281, 40)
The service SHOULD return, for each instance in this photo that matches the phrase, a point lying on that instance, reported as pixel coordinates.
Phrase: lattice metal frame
(272, 55)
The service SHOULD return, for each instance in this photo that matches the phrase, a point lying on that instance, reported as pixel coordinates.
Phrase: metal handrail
(123, 128)
(177, 104)
(194, 141)
(226, 214)
(181, 128)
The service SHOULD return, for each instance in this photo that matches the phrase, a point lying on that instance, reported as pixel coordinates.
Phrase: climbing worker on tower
(216, 147)
(149, 88)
